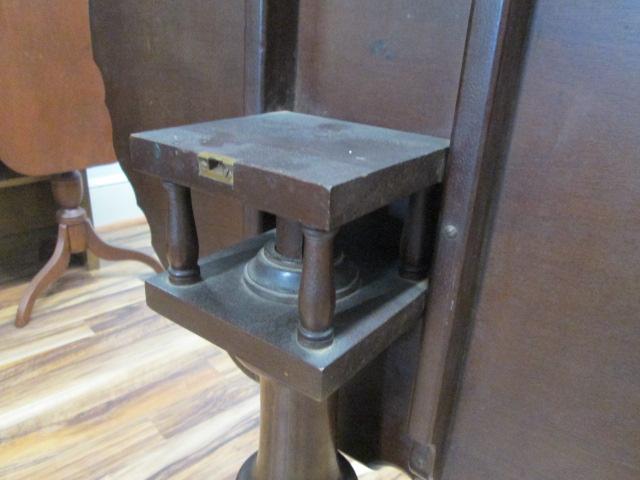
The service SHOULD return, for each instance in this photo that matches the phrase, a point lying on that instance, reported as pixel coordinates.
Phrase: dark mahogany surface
(551, 387)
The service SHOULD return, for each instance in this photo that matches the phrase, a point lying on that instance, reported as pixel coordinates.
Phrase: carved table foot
(75, 235)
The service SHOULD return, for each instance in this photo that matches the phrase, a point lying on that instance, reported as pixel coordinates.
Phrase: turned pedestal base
(297, 438)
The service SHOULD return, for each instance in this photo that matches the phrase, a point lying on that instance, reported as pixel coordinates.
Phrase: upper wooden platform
(320, 171)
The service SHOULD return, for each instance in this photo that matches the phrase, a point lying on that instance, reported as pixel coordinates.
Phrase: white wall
(112, 197)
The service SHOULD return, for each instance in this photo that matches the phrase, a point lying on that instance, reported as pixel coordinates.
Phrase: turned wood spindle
(417, 235)
(288, 238)
(317, 299)
(182, 237)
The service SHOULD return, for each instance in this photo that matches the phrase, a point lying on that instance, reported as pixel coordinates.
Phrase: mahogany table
(53, 121)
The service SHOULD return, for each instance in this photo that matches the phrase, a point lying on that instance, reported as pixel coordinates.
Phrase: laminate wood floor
(98, 386)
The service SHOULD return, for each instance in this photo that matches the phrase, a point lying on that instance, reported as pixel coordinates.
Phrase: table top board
(53, 118)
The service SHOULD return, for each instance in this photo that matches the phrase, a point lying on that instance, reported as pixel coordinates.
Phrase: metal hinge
(422, 461)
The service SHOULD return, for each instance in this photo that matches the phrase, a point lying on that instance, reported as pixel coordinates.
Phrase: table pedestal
(296, 438)
(75, 235)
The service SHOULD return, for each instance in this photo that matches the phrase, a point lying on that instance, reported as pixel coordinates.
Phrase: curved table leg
(52, 270)
(109, 252)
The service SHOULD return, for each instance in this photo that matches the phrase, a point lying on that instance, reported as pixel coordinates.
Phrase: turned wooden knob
(68, 189)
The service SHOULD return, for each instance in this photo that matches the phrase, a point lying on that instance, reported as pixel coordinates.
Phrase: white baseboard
(112, 197)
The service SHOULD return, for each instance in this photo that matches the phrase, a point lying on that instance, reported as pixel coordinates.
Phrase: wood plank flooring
(98, 386)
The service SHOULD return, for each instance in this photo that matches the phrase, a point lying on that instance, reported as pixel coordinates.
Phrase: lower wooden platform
(98, 386)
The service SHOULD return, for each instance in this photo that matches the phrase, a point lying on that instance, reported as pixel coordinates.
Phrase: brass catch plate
(216, 167)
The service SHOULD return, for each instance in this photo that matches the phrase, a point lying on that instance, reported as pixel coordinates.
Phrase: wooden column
(297, 438)
(288, 238)
(317, 299)
(182, 237)
(416, 244)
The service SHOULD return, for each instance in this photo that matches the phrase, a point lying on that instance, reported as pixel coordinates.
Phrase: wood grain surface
(551, 387)
(164, 66)
(53, 117)
(101, 387)
(394, 64)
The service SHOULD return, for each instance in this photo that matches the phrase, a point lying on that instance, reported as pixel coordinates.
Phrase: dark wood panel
(279, 79)
(552, 383)
(165, 64)
(28, 226)
(390, 63)
(490, 79)
(25, 207)
(168, 64)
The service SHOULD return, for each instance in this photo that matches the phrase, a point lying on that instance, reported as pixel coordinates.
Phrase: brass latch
(216, 167)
